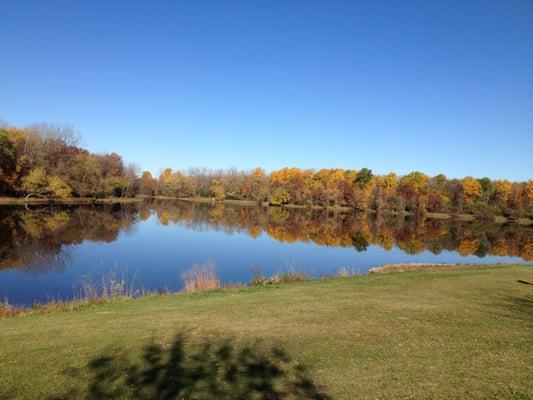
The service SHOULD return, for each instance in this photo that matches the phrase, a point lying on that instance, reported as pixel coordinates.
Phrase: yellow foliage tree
(503, 190)
(58, 187)
(217, 189)
(471, 189)
(529, 193)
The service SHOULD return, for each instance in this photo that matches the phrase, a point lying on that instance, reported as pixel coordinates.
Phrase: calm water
(45, 253)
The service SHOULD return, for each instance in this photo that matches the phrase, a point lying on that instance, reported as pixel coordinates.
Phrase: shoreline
(421, 267)
(9, 201)
(282, 278)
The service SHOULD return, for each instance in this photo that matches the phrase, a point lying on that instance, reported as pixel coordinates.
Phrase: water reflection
(39, 240)
(329, 228)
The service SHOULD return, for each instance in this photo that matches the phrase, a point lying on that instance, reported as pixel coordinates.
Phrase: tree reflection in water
(38, 240)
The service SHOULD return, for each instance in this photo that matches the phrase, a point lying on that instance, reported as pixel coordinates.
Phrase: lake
(48, 252)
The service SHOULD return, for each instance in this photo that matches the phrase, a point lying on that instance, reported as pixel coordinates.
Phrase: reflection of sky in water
(158, 254)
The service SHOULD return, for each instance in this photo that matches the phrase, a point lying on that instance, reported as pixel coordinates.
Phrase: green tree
(364, 176)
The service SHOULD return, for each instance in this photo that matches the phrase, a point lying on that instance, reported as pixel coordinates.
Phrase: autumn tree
(529, 194)
(147, 184)
(436, 196)
(386, 187)
(58, 187)
(279, 197)
(217, 189)
(255, 185)
(37, 183)
(502, 193)
(364, 187)
(167, 185)
(46, 160)
(292, 180)
(471, 188)
(85, 176)
(413, 187)
(318, 187)
(335, 181)
(54, 151)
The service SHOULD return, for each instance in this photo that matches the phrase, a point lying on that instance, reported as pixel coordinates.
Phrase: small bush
(200, 278)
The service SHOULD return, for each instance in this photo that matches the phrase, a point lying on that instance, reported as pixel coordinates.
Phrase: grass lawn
(440, 334)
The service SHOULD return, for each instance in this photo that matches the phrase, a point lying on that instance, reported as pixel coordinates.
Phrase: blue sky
(441, 86)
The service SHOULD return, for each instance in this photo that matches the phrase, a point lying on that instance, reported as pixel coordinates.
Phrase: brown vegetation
(7, 310)
(289, 274)
(201, 278)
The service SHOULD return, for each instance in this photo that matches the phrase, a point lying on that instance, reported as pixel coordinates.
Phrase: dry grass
(201, 278)
(51, 306)
(54, 305)
(289, 274)
(7, 310)
(107, 285)
(344, 272)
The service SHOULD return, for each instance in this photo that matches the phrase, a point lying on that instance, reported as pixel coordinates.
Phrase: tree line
(359, 190)
(46, 160)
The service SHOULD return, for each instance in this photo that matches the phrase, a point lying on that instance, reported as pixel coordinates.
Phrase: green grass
(440, 334)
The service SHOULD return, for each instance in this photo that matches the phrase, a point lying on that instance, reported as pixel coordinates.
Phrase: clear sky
(437, 86)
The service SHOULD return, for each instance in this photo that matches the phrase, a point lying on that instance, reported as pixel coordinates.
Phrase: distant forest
(46, 161)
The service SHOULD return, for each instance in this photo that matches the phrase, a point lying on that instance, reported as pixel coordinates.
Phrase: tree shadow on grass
(210, 370)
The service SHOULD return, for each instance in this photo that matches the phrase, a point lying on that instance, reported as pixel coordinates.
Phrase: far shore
(499, 219)
(9, 201)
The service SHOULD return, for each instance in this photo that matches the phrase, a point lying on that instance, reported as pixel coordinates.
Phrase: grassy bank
(446, 333)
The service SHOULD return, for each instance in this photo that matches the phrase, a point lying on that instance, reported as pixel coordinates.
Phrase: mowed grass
(440, 334)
